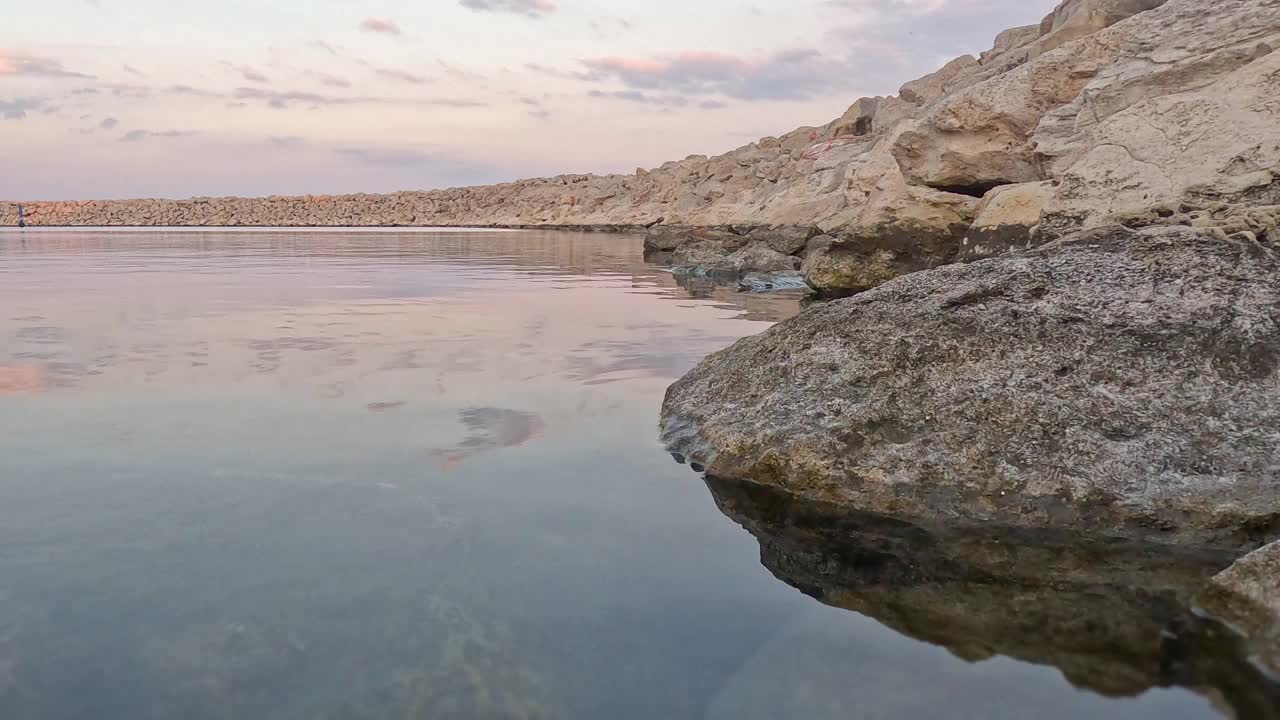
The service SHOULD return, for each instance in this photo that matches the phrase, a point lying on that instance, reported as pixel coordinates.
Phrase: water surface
(414, 475)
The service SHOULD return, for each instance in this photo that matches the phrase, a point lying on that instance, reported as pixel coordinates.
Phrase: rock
(1006, 218)
(771, 282)
(1075, 19)
(934, 85)
(858, 120)
(1011, 39)
(1247, 597)
(667, 238)
(1114, 617)
(712, 258)
(784, 239)
(831, 266)
(1116, 383)
(759, 257)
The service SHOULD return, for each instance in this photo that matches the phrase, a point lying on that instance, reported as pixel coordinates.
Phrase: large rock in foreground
(1114, 382)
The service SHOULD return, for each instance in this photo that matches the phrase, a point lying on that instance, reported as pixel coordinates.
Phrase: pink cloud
(380, 25)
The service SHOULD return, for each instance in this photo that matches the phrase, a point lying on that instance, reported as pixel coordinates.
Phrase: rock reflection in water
(1114, 617)
(490, 429)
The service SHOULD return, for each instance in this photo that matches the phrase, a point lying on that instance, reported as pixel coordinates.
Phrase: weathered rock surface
(1114, 617)
(1114, 382)
(1110, 108)
(1247, 597)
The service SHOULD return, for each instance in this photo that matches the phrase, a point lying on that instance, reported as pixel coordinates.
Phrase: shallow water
(415, 475)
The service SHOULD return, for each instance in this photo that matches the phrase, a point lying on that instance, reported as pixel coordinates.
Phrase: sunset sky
(167, 98)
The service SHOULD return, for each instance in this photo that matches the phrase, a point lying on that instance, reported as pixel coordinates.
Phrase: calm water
(370, 475)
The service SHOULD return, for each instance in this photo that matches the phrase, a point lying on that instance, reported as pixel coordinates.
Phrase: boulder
(1007, 217)
(784, 239)
(934, 85)
(668, 238)
(833, 267)
(858, 120)
(711, 258)
(1117, 383)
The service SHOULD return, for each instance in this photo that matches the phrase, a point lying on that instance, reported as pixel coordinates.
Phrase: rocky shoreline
(1093, 348)
(1063, 258)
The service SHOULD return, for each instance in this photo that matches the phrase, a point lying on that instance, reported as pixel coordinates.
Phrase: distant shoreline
(370, 229)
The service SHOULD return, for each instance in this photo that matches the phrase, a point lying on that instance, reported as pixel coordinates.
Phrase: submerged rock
(771, 282)
(1115, 617)
(1115, 382)
(1247, 597)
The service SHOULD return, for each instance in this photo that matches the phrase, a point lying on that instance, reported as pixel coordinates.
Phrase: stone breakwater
(1137, 112)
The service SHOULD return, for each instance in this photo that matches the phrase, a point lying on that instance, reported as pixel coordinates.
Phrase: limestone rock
(667, 238)
(1006, 218)
(858, 120)
(934, 85)
(711, 258)
(831, 266)
(1117, 383)
(784, 239)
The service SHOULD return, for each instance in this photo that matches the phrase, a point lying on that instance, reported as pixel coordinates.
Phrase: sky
(180, 98)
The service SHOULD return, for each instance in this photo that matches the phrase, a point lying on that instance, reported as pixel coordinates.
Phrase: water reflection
(1114, 617)
(490, 429)
(300, 476)
(21, 378)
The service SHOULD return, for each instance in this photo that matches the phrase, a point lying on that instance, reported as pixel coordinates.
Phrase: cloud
(528, 8)
(558, 73)
(606, 27)
(323, 47)
(128, 91)
(380, 25)
(900, 39)
(328, 80)
(36, 67)
(389, 157)
(786, 75)
(108, 123)
(189, 91)
(403, 76)
(140, 135)
(285, 141)
(249, 73)
(134, 71)
(636, 96)
(18, 108)
(458, 73)
(283, 100)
